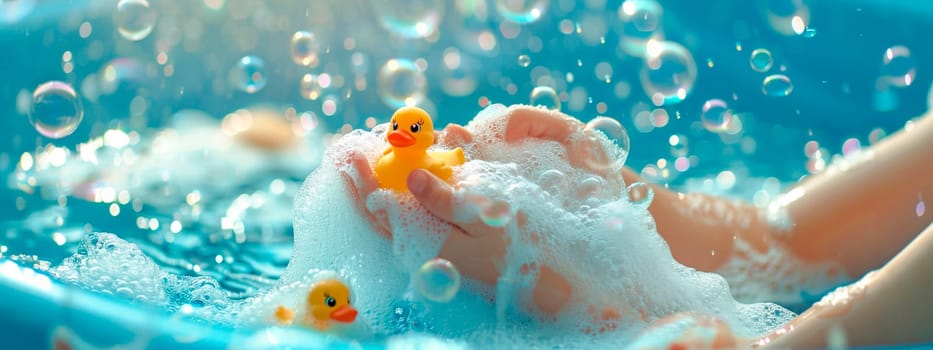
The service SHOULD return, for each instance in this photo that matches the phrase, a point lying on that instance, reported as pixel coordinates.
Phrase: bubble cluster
(56, 110)
(669, 72)
(898, 66)
(761, 60)
(615, 137)
(641, 23)
(249, 74)
(304, 48)
(401, 83)
(777, 85)
(409, 18)
(438, 280)
(716, 115)
(522, 11)
(545, 96)
(134, 19)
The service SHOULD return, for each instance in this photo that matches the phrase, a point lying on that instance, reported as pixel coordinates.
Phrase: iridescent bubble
(249, 74)
(761, 60)
(524, 60)
(777, 85)
(55, 111)
(615, 140)
(679, 145)
(920, 208)
(438, 280)
(305, 48)
(669, 72)
(899, 67)
(788, 17)
(716, 115)
(640, 194)
(641, 22)
(545, 96)
(401, 83)
(310, 86)
(522, 11)
(496, 213)
(134, 19)
(409, 18)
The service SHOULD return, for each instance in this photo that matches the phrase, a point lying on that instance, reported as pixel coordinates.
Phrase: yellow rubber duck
(328, 301)
(412, 132)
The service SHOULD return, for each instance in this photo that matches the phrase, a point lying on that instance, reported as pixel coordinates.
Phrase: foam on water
(110, 265)
(588, 231)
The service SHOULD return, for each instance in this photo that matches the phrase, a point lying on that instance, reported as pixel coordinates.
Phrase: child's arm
(890, 306)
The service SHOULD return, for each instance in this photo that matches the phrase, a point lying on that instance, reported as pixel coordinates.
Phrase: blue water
(842, 89)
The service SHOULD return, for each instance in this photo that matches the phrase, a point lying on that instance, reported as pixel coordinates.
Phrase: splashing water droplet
(899, 68)
(522, 11)
(438, 280)
(249, 74)
(640, 194)
(410, 18)
(55, 111)
(401, 83)
(615, 141)
(305, 48)
(716, 115)
(761, 60)
(546, 97)
(134, 19)
(669, 72)
(524, 60)
(777, 85)
(641, 23)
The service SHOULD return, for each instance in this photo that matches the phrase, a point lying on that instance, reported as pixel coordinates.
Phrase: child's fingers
(438, 197)
(525, 122)
(455, 136)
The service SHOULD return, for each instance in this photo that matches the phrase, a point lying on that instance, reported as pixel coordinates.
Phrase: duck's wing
(449, 157)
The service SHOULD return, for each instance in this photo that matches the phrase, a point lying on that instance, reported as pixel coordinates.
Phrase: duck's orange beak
(344, 313)
(401, 138)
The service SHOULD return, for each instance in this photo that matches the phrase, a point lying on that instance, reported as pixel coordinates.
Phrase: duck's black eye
(415, 127)
(330, 301)
(394, 126)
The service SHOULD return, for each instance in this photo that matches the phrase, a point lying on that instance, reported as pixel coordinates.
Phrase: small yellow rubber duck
(328, 301)
(411, 135)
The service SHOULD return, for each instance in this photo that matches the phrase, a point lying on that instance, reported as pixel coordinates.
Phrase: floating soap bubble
(401, 83)
(55, 111)
(409, 18)
(788, 17)
(641, 22)
(669, 72)
(546, 97)
(679, 145)
(524, 60)
(777, 85)
(134, 19)
(920, 208)
(899, 67)
(640, 193)
(310, 86)
(438, 280)
(716, 115)
(614, 136)
(522, 11)
(304, 48)
(249, 74)
(761, 60)
(496, 213)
